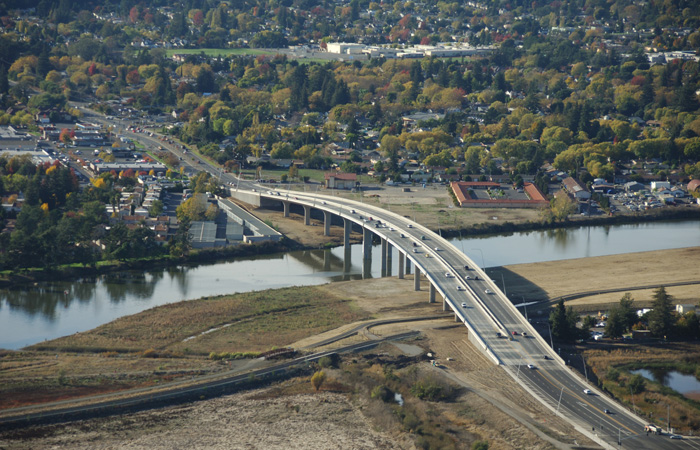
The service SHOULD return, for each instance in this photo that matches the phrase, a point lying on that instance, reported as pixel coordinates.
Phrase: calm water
(50, 310)
(685, 384)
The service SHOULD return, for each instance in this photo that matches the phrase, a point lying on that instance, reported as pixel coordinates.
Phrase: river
(48, 310)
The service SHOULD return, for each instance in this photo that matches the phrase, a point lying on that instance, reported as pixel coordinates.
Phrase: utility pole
(560, 395)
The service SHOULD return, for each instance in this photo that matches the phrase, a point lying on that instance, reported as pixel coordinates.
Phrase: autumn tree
(317, 379)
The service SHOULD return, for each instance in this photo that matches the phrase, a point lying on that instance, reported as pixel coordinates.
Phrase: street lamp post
(483, 265)
(503, 280)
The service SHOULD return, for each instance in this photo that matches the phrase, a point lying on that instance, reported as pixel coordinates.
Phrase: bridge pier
(385, 246)
(389, 252)
(401, 263)
(366, 268)
(431, 293)
(285, 205)
(347, 260)
(408, 266)
(366, 244)
(327, 216)
(327, 261)
(444, 303)
(307, 214)
(416, 280)
(347, 229)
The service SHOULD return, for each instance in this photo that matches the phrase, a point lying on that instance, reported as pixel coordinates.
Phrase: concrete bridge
(493, 323)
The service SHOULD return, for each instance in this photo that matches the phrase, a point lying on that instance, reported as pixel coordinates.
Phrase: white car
(531, 366)
(448, 275)
(587, 392)
(410, 226)
(488, 291)
(415, 250)
(468, 277)
(464, 305)
(437, 249)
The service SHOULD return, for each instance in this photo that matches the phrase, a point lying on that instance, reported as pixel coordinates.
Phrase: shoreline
(26, 276)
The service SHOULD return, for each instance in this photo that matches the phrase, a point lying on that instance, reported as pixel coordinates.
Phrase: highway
(488, 312)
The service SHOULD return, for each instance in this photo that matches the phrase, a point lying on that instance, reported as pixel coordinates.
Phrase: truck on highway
(653, 429)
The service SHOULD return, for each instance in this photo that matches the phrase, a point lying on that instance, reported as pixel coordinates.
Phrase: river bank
(299, 236)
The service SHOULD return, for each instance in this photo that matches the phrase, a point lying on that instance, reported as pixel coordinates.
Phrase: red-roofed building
(341, 180)
(530, 197)
(693, 185)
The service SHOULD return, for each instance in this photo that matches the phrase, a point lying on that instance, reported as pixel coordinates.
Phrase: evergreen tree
(4, 82)
(661, 317)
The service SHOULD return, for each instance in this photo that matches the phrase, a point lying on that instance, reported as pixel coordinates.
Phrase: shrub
(317, 379)
(150, 353)
(430, 389)
(613, 374)
(382, 392)
(637, 384)
(480, 445)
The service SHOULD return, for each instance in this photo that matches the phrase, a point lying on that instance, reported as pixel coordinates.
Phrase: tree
(661, 317)
(561, 207)
(563, 321)
(317, 379)
(636, 384)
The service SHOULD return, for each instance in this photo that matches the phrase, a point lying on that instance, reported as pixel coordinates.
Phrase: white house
(657, 185)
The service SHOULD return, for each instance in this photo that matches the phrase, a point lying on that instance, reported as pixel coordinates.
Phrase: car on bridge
(531, 366)
(459, 287)
(588, 392)
(448, 275)
(464, 305)
(488, 291)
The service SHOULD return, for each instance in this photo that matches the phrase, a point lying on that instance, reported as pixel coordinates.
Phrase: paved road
(488, 312)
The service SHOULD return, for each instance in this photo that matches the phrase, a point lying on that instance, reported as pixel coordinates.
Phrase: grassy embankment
(169, 342)
(613, 367)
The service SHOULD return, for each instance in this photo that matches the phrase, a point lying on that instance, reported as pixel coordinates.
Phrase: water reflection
(679, 382)
(44, 311)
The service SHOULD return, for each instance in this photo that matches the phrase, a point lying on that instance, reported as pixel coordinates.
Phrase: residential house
(341, 180)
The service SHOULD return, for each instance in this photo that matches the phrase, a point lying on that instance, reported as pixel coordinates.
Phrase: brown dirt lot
(556, 278)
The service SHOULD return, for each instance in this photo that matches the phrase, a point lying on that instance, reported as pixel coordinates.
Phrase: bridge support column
(307, 215)
(327, 260)
(347, 260)
(408, 266)
(286, 208)
(347, 229)
(416, 280)
(457, 319)
(444, 303)
(385, 246)
(366, 268)
(366, 244)
(431, 293)
(401, 263)
(389, 256)
(327, 216)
